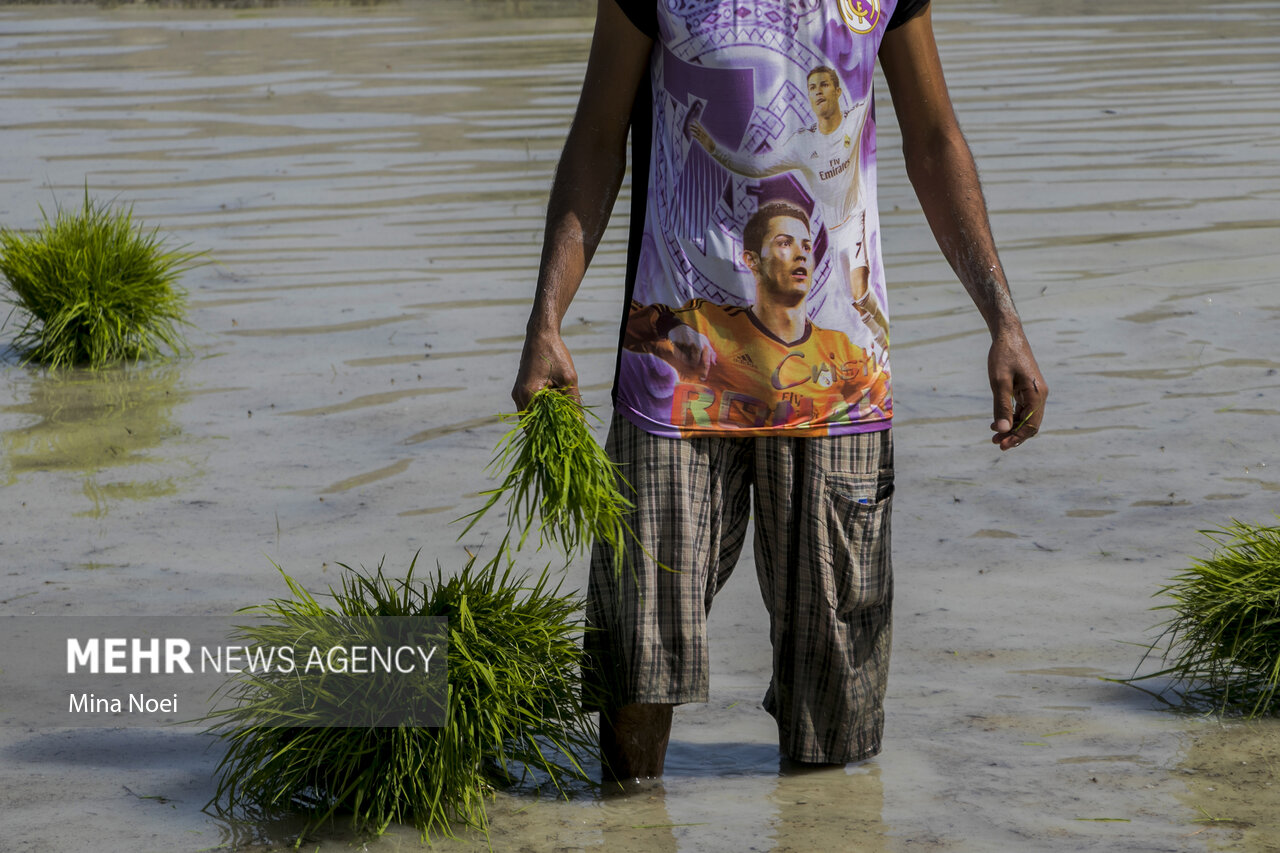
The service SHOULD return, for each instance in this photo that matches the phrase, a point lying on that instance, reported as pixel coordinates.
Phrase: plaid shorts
(822, 558)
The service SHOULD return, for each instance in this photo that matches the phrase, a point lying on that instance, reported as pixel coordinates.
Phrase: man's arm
(582, 195)
(944, 176)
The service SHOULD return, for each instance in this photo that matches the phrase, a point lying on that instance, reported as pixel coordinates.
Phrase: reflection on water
(830, 809)
(800, 811)
(104, 426)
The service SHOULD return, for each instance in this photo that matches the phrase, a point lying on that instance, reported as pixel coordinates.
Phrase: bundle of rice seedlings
(93, 288)
(1222, 646)
(513, 703)
(559, 475)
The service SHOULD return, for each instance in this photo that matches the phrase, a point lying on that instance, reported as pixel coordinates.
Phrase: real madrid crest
(861, 15)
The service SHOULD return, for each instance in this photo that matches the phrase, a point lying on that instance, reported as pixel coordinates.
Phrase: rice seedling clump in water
(93, 288)
(513, 702)
(1222, 646)
(558, 474)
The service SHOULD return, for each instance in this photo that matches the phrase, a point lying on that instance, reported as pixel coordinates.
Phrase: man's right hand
(545, 363)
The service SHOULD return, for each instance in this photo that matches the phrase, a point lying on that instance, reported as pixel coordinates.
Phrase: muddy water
(370, 181)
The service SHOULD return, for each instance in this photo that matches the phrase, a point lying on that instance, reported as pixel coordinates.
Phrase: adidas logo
(745, 358)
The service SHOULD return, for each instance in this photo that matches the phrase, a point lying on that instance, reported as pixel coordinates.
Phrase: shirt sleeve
(643, 14)
(903, 12)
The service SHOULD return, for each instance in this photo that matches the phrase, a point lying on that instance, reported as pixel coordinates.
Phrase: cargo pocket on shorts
(857, 522)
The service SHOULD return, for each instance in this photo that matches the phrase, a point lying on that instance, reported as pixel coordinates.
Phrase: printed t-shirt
(748, 104)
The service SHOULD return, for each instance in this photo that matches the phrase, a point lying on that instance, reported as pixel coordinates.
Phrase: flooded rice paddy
(369, 182)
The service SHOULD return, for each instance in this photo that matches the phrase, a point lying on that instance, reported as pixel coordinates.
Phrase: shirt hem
(666, 430)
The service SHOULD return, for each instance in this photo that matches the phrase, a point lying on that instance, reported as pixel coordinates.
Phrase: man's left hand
(1019, 390)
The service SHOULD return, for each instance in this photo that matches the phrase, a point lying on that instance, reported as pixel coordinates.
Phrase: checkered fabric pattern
(822, 509)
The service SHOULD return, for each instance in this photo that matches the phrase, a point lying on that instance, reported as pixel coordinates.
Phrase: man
(765, 365)
(827, 153)
(821, 504)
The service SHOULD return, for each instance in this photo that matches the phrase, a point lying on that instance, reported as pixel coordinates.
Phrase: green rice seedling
(558, 474)
(513, 703)
(1222, 645)
(93, 288)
